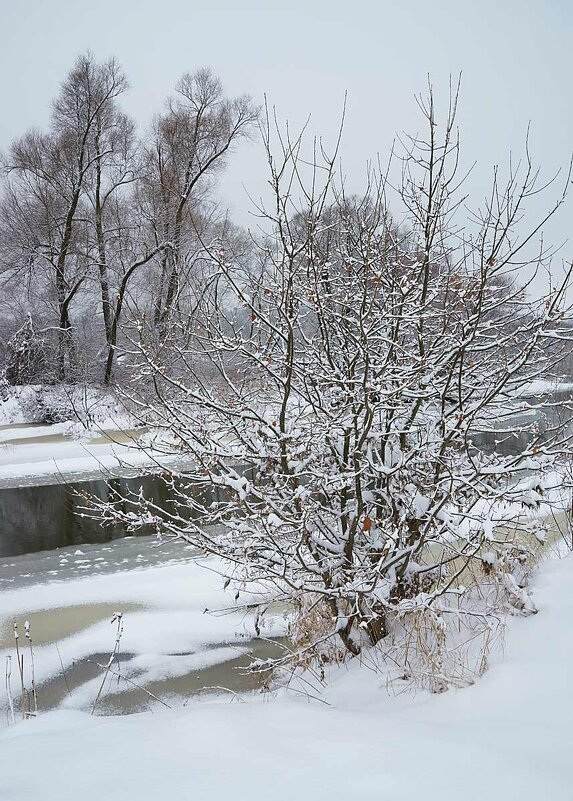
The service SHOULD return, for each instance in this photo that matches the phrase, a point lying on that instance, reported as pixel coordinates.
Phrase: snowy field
(506, 737)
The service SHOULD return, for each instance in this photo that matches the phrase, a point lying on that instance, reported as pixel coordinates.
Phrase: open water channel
(44, 539)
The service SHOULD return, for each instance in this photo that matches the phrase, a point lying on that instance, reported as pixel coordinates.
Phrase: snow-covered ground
(95, 437)
(33, 455)
(506, 737)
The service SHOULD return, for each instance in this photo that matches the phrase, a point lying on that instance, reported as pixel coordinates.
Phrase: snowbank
(69, 460)
(50, 454)
(507, 737)
(543, 387)
(91, 407)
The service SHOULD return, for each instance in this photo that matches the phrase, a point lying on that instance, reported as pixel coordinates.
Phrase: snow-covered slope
(508, 737)
(51, 454)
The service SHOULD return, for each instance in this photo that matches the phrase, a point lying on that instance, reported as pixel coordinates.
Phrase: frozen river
(68, 577)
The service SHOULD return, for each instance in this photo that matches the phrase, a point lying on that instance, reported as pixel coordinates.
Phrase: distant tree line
(102, 228)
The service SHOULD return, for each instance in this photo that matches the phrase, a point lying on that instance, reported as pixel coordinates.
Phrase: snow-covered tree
(333, 393)
(44, 233)
(86, 200)
(190, 142)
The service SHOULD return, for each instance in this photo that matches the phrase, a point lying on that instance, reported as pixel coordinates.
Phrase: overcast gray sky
(516, 57)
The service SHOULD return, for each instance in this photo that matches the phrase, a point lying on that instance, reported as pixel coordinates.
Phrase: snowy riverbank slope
(52, 434)
(59, 453)
(507, 737)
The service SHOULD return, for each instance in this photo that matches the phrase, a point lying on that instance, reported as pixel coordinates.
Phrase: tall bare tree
(190, 141)
(115, 151)
(48, 175)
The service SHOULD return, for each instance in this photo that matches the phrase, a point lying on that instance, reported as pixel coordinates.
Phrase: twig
(218, 687)
(117, 618)
(63, 670)
(11, 717)
(29, 638)
(108, 669)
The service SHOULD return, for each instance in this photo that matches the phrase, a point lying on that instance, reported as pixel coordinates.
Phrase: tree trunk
(65, 336)
(102, 260)
(118, 309)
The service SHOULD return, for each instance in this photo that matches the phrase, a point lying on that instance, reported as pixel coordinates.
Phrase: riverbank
(50, 435)
(506, 737)
(36, 455)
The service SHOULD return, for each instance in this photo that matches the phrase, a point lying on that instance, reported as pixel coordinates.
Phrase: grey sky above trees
(515, 55)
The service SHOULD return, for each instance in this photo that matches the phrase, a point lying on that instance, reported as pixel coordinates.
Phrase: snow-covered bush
(28, 355)
(337, 436)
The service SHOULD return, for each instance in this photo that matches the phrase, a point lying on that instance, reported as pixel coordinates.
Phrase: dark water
(47, 517)
(524, 429)
(504, 444)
